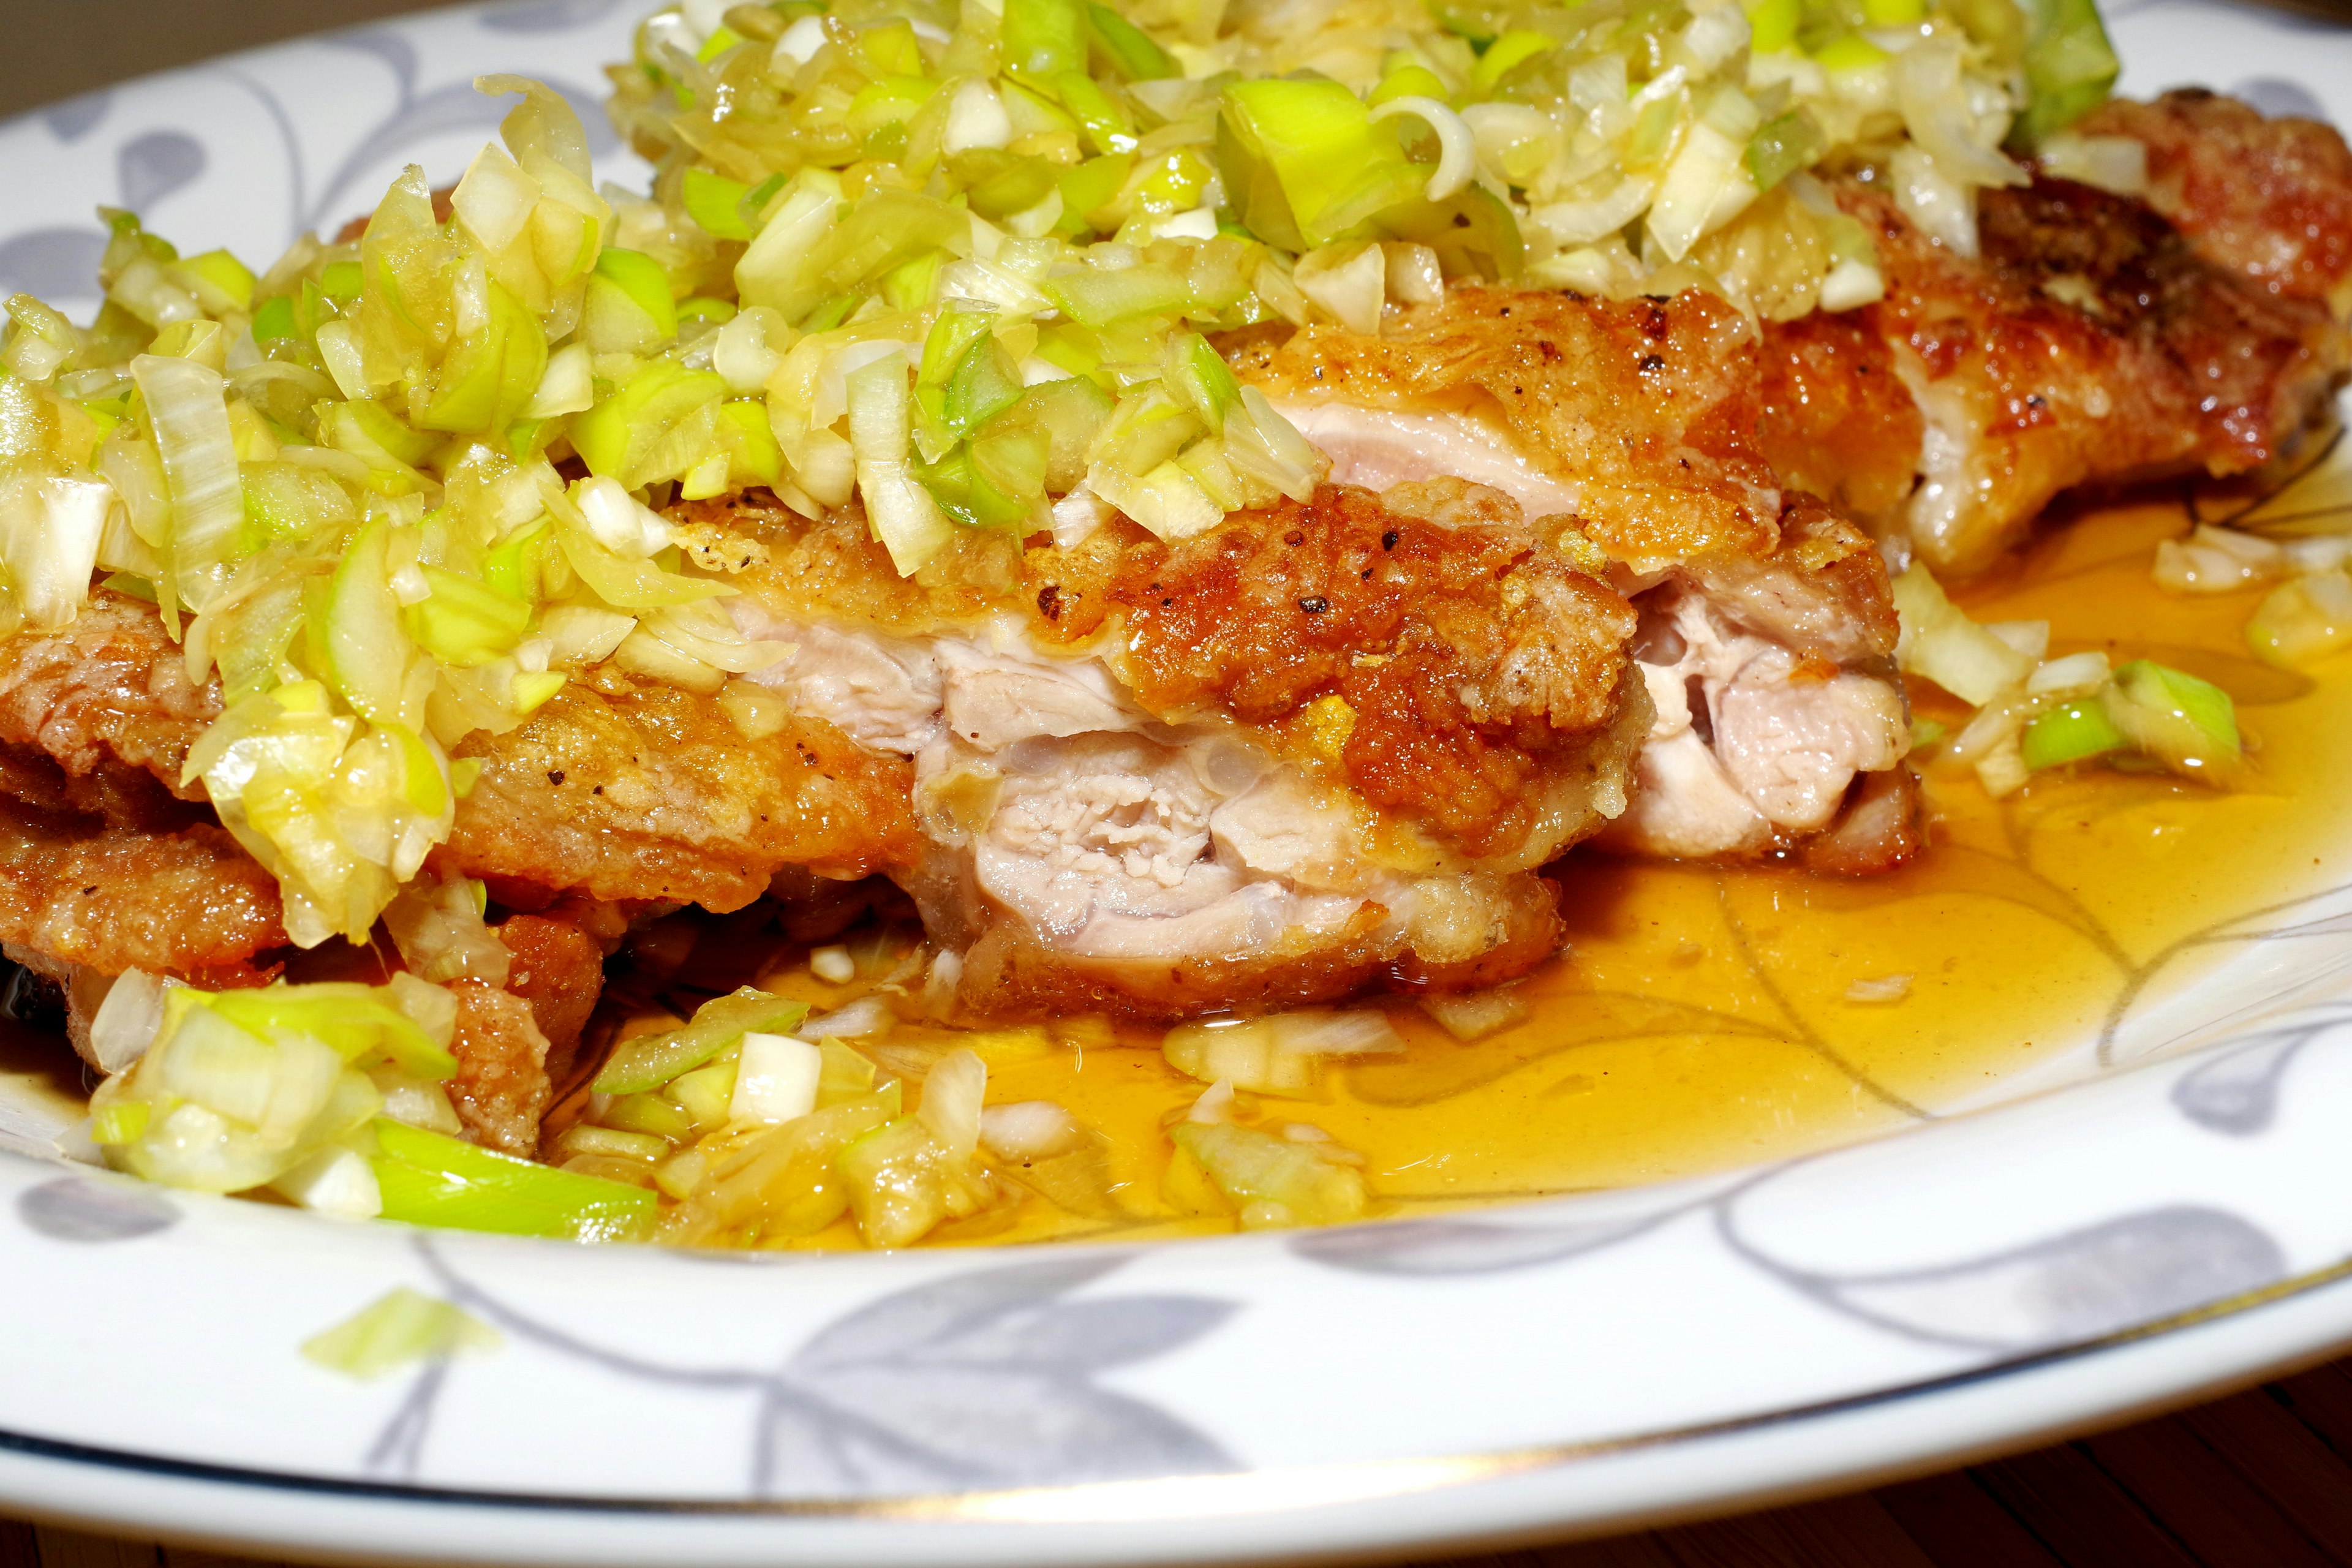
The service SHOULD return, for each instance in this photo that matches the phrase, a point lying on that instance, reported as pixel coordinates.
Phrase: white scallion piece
(953, 1093)
(1880, 991)
(333, 1182)
(776, 1079)
(125, 1023)
(1029, 1129)
(833, 965)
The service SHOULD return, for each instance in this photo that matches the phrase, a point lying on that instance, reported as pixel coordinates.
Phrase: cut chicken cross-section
(1315, 748)
(1626, 429)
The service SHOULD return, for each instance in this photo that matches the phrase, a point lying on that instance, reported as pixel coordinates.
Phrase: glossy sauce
(1702, 1016)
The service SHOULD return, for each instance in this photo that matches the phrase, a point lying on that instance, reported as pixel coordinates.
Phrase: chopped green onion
(2303, 620)
(2070, 66)
(1272, 1180)
(649, 1062)
(463, 622)
(429, 1178)
(1040, 39)
(715, 203)
(1307, 158)
(340, 280)
(1127, 47)
(1505, 54)
(2070, 733)
(398, 1328)
(1782, 145)
(1772, 23)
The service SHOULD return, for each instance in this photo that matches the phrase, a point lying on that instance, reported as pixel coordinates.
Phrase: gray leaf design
(73, 1208)
(388, 46)
(54, 263)
(548, 16)
(982, 1379)
(451, 108)
(71, 120)
(1441, 1247)
(152, 166)
(2276, 96)
(2085, 1284)
(2236, 1092)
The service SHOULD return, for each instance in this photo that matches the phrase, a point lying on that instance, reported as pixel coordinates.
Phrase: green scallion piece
(431, 1179)
(1040, 39)
(2070, 733)
(397, 1328)
(1127, 47)
(1782, 145)
(649, 1062)
(2070, 66)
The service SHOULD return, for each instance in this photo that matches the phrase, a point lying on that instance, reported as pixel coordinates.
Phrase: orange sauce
(1707, 1017)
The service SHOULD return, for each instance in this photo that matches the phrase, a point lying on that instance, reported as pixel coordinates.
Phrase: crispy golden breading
(1470, 660)
(190, 903)
(1835, 419)
(629, 789)
(1630, 430)
(107, 705)
(1645, 409)
(2268, 199)
(2089, 344)
(501, 1086)
(618, 790)
(560, 970)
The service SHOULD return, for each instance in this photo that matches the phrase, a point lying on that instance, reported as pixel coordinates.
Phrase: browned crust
(190, 903)
(2090, 344)
(1650, 405)
(2270, 199)
(628, 789)
(109, 692)
(1834, 420)
(501, 1086)
(558, 969)
(1470, 658)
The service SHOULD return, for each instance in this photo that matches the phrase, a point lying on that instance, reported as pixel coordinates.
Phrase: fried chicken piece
(2089, 344)
(560, 970)
(501, 1088)
(191, 903)
(98, 718)
(2268, 199)
(1836, 419)
(1767, 627)
(630, 789)
(1315, 748)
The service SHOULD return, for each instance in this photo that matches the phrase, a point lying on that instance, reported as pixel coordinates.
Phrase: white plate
(2165, 1213)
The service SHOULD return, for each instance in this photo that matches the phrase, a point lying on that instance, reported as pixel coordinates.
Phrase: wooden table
(2262, 1480)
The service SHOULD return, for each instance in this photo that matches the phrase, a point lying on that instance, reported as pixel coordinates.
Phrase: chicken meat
(1319, 747)
(1627, 431)
(2096, 339)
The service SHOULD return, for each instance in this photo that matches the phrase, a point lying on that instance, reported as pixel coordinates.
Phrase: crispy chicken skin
(2089, 344)
(2096, 340)
(1627, 429)
(619, 789)
(190, 903)
(2268, 199)
(632, 790)
(97, 718)
(1318, 747)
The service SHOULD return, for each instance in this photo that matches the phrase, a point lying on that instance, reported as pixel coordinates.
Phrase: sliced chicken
(1626, 429)
(2097, 339)
(1315, 748)
(2268, 199)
